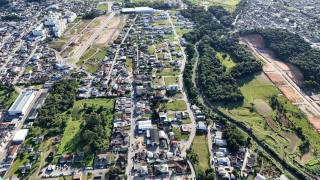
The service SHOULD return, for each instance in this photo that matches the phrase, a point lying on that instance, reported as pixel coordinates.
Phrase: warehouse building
(20, 136)
(22, 103)
(138, 10)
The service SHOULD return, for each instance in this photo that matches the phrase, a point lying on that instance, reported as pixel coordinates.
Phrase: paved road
(307, 100)
(193, 130)
(3, 152)
(117, 51)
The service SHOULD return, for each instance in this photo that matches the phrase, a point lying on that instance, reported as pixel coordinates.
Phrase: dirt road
(307, 101)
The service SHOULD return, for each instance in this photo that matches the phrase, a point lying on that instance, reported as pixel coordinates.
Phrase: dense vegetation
(217, 84)
(96, 129)
(294, 49)
(60, 99)
(7, 96)
(234, 138)
(11, 17)
(212, 36)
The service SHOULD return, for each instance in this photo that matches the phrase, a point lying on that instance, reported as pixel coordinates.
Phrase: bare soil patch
(290, 94)
(268, 68)
(256, 40)
(112, 31)
(276, 78)
(315, 122)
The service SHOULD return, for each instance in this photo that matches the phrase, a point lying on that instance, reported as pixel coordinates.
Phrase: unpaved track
(312, 106)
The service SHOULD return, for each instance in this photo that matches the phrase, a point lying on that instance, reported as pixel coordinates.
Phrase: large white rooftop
(22, 103)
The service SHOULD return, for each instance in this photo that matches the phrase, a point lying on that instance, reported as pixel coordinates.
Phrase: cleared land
(90, 61)
(176, 105)
(200, 147)
(229, 5)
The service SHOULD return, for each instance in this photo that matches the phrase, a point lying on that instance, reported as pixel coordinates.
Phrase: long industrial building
(138, 10)
(22, 103)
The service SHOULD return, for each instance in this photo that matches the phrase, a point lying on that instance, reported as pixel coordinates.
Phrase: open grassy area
(273, 130)
(170, 80)
(91, 59)
(129, 63)
(176, 105)
(7, 96)
(72, 129)
(225, 60)
(166, 72)
(151, 49)
(256, 94)
(102, 7)
(200, 147)
(229, 5)
(178, 135)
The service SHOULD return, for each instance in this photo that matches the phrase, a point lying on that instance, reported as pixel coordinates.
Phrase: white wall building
(20, 136)
(22, 103)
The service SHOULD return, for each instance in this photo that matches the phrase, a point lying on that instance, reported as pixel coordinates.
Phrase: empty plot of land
(112, 31)
(315, 122)
(290, 93)
(276, 78)
(268, 68)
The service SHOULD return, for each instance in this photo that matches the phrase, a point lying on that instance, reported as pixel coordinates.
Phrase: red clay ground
(290, 94)
(276, 78)
(256, 40)
(268, 68)
(315, 122)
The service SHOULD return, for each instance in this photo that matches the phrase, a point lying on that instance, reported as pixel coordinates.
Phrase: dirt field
(315, 122)
(290, 94)
(276, 78)
(112, 31)
(268, 68)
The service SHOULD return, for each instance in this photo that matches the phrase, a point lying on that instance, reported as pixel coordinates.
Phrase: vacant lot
(257, 114)
(200, 147)
(72, 129)
(176, 105)
(229, 5)
(170, 80)
(90, 61)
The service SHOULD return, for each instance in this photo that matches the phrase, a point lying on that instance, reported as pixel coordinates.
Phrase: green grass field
(73, 125)
(170, 80)
(129, 63)
(229, 5)
(225, 60)
(257, 114)
(91, 59)
(7, 97)
(102, 7)
(166, 72)
(200, 147)
(176, 105)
